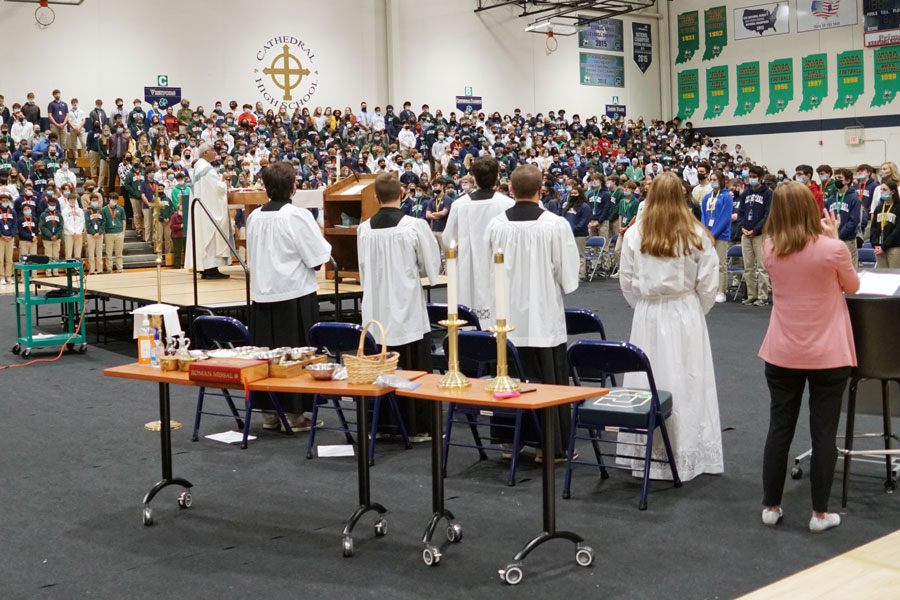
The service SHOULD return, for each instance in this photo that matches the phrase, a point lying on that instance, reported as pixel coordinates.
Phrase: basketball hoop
(44, 15)
(551, 43)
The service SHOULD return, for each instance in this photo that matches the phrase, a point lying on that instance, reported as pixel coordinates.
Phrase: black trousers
(113, 173)
(826, 390)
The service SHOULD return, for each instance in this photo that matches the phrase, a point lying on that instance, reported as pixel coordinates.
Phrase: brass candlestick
(502, 382)
(453, 379)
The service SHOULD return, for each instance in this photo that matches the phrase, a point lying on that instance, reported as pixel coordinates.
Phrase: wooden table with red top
(303, 384)
(546, 399)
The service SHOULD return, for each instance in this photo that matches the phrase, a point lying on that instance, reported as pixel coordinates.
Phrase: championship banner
(747, 88)
(849, 78)
(643, 45)
(606, 70)
(688, 36)
(716, 20)
(605, 34)
(814, 74)
(816, 15)
(887, 75)
(716, 91)
(781, 85)
(688, 93)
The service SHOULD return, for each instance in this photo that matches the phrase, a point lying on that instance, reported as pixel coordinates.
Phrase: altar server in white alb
(284, 247)
(466, 224)
(541, 263)
(395, 252)
(212, 249)
(669, 274)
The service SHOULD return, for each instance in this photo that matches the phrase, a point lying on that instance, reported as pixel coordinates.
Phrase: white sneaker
(817, 525)
(720, 297)
(771, 517)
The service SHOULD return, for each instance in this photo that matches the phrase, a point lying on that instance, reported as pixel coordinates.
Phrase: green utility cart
(70, 299)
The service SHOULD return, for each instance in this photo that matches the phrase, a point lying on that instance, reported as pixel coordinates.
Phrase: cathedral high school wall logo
(286, 73)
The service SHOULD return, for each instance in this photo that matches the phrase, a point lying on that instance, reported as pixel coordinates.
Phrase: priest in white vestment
(541, 263)
(209, 186)
(466, 224)
(395, 251)
(671, 296)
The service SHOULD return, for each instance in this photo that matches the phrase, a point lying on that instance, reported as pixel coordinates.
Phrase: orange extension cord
(63, 348)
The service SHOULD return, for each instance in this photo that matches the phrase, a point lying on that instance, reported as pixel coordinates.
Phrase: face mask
(714, 185)
(27, 213)
(120, 130)
(94, 204)
(753, 182)
(628, 193)
(5, 204)
(568, 188)
(67, 193)
(838, 183)
(861, 177)
(112, 203)
(701, 176)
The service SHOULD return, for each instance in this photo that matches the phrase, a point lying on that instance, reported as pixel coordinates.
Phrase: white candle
(499, 287)
(452, 286)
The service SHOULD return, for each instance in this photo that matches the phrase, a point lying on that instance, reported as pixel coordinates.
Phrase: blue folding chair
(630, 410)
(734, 269)
(867, 244)
(437, 313)
(211, 332)
(336, 339)
(594, 254)
(480, 350)
(867, 258)
(581, 321)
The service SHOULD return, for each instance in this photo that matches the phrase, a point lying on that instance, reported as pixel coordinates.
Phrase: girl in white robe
(670, 297)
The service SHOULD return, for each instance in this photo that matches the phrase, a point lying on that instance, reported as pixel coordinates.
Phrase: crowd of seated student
(589, 165)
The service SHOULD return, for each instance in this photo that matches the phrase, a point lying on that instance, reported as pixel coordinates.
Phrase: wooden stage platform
(178, 289)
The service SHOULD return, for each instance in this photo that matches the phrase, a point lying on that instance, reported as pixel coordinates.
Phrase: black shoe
(213, 274)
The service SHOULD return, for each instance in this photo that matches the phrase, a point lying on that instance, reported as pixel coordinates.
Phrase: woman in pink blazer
(809, 339)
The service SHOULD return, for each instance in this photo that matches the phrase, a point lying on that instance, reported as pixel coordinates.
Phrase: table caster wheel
(431, 556)
(889, 487)
(185, 500)
(82, 349)
(454, 533)
(512, 574)
(796, 473)
(147, 516)
(309, 454)
(348, 547)
(584, 556)
(16, 349)
(381, 527)
(70, 347)
(26, 353)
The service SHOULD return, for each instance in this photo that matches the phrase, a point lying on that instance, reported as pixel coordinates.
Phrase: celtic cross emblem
(287, 83)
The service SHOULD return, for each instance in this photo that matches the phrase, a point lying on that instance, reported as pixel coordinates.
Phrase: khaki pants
(114, 242)
(6, 257)
(890, 259)
(439, 238)
(619, 241)
(149, 229)
(757, 285)
(580, 241)
(94, 253)
(78, 139)
(722, 253)
(72, 245)
(99, 170)
(26, 247)
(601, 229)
(62, 136)
(51, 249)
(137, 215)
(165, 231)
(854, 252)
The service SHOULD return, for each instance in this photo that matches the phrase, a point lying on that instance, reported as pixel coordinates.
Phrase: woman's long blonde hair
(793, 218)
(668, 228)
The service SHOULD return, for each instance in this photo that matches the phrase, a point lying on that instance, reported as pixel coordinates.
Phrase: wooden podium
(354, 197)
(248, 200)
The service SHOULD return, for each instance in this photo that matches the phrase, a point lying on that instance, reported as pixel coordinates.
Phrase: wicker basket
(365, 369)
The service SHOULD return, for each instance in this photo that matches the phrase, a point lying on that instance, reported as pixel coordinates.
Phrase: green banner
(887, 75)
(716, 91)
(716, 20)
(814, 73)
(688, 36)
(781, 85)
(849, 78)
(747, 88)
(688, 93)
